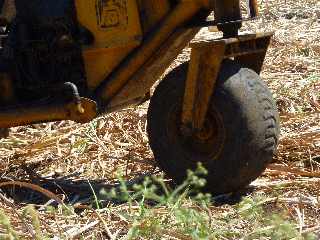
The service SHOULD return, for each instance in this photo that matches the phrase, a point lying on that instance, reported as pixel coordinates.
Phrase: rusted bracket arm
(203, 71)
(206, 59)
(250, 50)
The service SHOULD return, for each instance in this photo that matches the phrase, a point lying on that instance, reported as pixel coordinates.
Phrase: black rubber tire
(244, 112)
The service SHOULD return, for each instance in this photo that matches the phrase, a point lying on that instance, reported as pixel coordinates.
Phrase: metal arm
(228, 11)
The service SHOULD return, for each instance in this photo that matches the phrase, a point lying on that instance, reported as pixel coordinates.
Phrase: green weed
(9, 232)
(156, 210)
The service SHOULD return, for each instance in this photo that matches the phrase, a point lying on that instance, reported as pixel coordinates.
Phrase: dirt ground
(72, 160)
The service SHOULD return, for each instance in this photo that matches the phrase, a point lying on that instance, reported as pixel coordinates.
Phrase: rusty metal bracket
(203, 71)
(81, 112)
(253, 8)
(206, 58)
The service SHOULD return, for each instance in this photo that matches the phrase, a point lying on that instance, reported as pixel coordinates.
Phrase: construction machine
(79, 59)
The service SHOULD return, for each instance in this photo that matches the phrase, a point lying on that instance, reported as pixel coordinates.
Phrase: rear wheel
(239, 137)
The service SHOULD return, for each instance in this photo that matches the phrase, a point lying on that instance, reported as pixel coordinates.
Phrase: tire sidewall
(239, 99)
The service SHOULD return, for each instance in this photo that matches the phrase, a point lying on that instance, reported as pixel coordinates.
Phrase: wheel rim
(204, 146)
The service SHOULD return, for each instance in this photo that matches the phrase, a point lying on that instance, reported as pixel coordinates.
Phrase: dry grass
(62, 156)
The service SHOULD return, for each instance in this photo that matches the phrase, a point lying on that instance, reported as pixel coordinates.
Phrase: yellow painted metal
(71, 111)
(100, 63)
(203, 71)
(116, 27)
(183, 12)
(152, 70)
(115, 23)
(136, 40)
(206, 57)
(152, 12)
(249, 49)
(117, 31)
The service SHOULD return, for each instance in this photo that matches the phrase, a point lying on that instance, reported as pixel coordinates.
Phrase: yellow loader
(78, 59)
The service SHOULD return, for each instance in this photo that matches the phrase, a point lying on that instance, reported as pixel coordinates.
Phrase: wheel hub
(207, 142)
(208, 131)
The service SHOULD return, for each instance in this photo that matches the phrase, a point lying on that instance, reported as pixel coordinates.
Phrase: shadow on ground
(84, 192)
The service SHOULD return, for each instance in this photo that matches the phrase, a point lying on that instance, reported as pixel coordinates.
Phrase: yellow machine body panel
(115, 25)
(153, 11)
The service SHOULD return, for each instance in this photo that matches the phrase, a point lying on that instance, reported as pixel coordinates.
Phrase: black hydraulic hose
(76, 96)
(74, 90)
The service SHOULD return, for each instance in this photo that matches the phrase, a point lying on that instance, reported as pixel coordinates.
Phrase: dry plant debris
(61, 157)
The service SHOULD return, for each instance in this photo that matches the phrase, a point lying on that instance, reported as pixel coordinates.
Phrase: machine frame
(128, 58)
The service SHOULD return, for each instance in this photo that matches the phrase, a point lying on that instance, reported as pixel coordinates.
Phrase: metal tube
(228, 11)
(25, 115)
(184, 11)
(253, 8)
